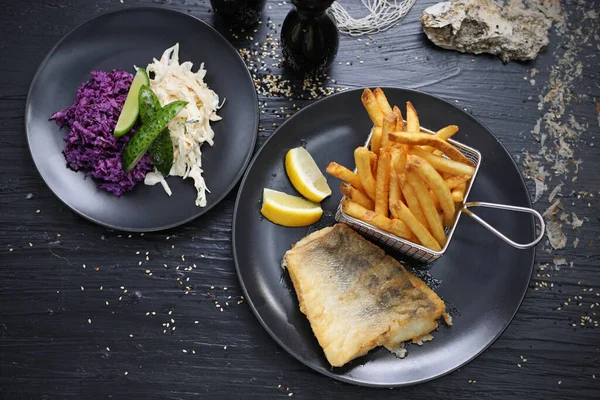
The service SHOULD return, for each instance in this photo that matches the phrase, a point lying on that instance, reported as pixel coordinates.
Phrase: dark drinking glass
(242, 13)
(309, 38)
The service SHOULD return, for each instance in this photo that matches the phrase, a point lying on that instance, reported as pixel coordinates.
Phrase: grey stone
(482, 26)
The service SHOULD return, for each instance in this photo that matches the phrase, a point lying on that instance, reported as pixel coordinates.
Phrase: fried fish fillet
(355, 296)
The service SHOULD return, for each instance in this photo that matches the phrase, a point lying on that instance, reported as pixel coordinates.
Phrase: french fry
(384, 105)
(424, 236)
(399, 160)
(382, 183)
(362, 158)
(373, 163)
(434, 198)
(443, 164)
(376, 140)
(436, 183)
(412, 201)
(457, 180)
(412, 118)
(394, 191)
(393, 226)
(418, 139)
(458, 193)
(398, 166)
(433, 220)
(445, 133)
(370, 103)
(357, 196)
(343, 173)
(389, 124)
(400, 126)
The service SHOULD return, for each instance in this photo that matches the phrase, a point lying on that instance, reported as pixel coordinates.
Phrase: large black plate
(482, 278)
(123, 39)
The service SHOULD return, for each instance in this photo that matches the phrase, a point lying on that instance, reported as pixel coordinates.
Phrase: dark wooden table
(82, 317)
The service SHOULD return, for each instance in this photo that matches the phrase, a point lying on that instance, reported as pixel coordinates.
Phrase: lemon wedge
(287, 210)
(305, 175)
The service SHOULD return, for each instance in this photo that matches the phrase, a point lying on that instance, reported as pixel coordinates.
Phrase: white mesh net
(383, 14)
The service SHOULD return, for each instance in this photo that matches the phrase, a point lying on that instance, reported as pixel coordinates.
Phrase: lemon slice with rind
(305, 175)
(287, 210)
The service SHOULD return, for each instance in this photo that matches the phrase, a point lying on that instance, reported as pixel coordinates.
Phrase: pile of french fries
(407, 182)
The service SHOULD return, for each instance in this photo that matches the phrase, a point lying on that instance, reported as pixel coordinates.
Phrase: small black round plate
(122, 39)
(481, 278)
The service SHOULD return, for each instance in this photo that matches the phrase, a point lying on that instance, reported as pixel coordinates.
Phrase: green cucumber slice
(161, 149)
(148, 103)
(161, 152)
(129, 113)
(148, 132)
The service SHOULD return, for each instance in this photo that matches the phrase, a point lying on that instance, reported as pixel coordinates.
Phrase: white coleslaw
(191, 127)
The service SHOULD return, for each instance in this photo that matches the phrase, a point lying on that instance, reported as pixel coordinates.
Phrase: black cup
(242, 13)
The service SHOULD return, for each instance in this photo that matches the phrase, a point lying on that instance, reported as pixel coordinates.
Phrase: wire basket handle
(465, 209)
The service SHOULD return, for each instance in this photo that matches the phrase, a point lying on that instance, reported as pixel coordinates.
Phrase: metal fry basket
(424, 254)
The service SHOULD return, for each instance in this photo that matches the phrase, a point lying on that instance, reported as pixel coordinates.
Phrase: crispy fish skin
(355, 296)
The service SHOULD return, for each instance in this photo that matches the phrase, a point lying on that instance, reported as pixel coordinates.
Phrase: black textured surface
(48, 348)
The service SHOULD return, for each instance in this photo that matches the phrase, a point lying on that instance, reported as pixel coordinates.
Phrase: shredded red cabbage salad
(91, 145)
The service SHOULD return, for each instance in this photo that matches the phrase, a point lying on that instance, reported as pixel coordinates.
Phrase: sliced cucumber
(130, 112)
(148, 103)
(148, 132)
(161, 149)
(161, 152)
